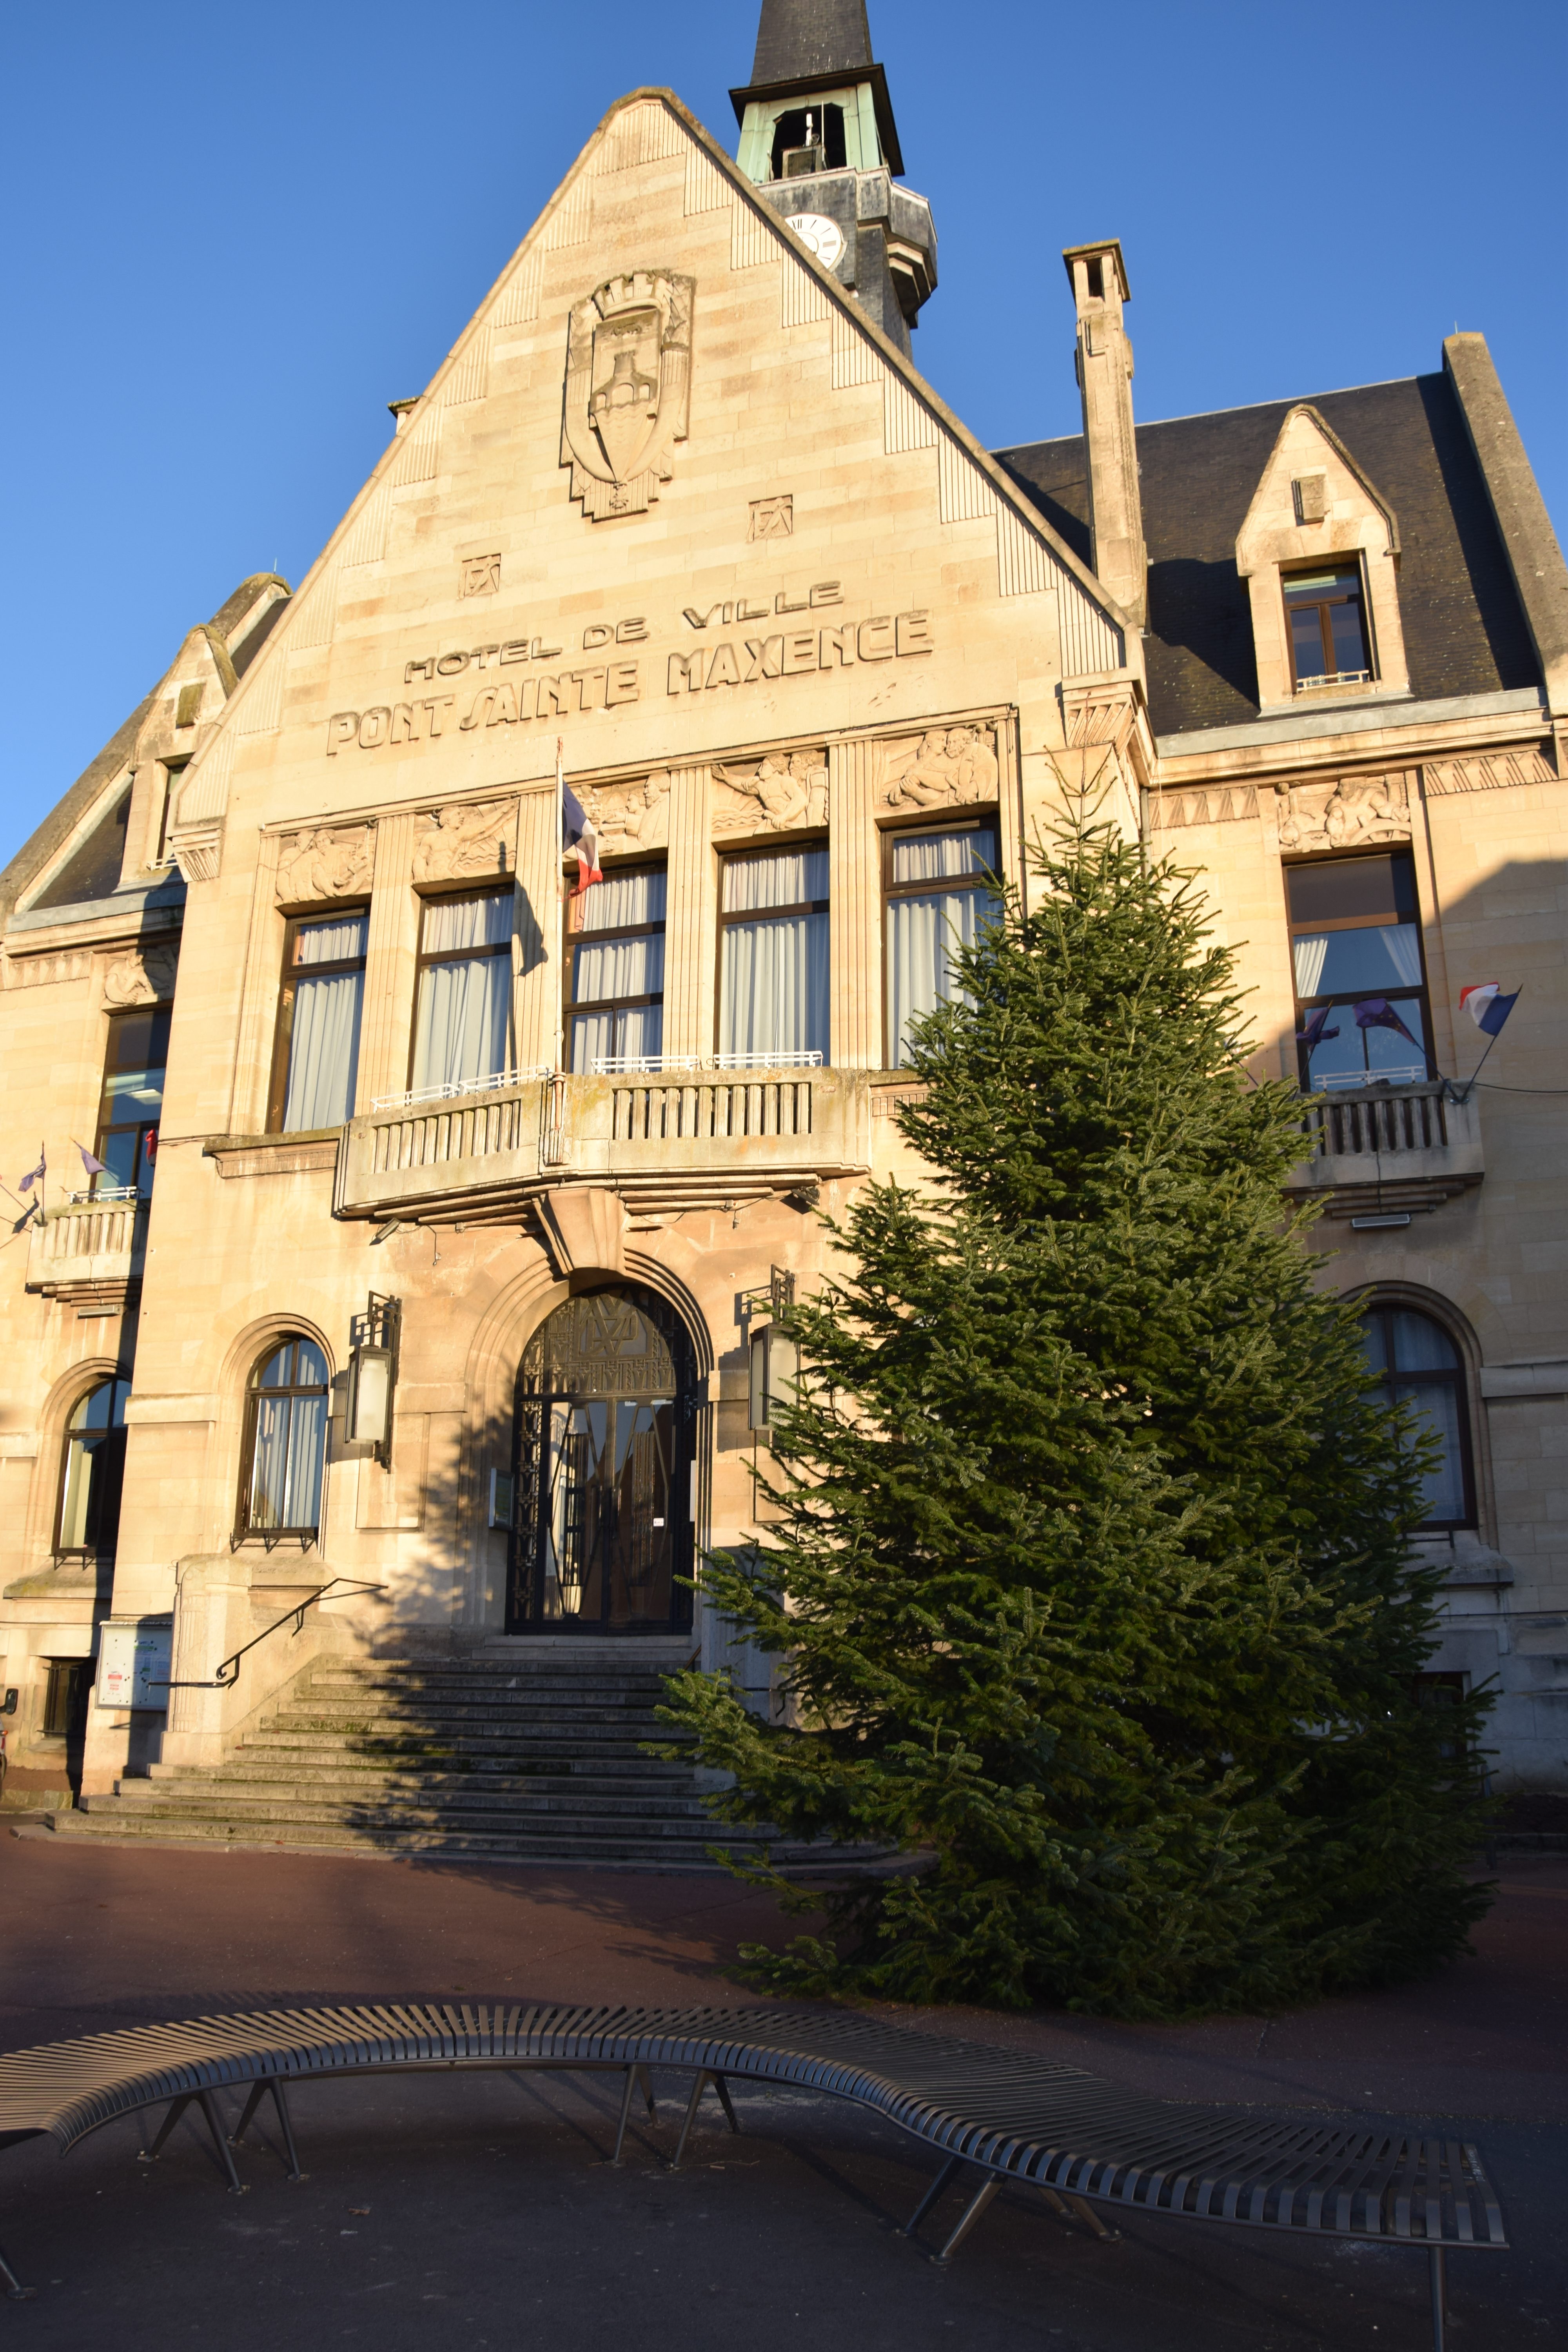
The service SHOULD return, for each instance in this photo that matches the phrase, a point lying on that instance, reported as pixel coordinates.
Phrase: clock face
(825, 236)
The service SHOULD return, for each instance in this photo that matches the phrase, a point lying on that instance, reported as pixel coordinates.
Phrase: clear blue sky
(237, 233)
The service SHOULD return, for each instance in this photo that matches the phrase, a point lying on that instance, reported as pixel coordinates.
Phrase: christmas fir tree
(1086, 1559)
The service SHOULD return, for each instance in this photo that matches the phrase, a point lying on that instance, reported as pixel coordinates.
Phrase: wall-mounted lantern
(774, 1362)
(373, 1376)
(773, 1357)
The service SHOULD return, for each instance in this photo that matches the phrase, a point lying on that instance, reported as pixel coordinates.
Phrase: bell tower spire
(818, 137)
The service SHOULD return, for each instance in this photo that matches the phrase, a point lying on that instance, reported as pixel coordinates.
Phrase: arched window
(93, 1472)
(285, 1442)
(605, 1418)
(1417, 1363)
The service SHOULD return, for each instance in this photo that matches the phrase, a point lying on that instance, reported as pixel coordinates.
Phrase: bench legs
(634, 2074)
(697, 2087)
(204, 2099)
(1068, 2206)
(1437, 2270)
(15, 2292)
(281, 2106)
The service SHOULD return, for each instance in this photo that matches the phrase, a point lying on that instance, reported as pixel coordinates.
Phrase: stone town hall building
(433, 1254)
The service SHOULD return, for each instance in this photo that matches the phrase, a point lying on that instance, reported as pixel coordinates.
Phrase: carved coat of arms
(628, 390)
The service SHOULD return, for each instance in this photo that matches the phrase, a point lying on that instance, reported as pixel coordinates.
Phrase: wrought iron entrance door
(606, 1414)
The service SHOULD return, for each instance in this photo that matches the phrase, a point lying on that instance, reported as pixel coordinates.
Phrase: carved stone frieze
(1219, 805)
(632, 817)
(466, 840)
(628, 388)
(943, 768)
(1344, 814)
(43, 970)
(325, 862)
(783, 793)
(139, 976)
(1490, 771)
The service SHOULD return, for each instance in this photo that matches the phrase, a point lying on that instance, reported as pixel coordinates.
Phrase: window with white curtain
(462, 1027)
(1418, 1366)
(317, 1057)
(1361, 1008)
(772, 956)
(285, 1442)
(937, 901)
(615, 1005)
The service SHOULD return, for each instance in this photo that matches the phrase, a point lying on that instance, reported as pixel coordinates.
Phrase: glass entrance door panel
(606, 1419)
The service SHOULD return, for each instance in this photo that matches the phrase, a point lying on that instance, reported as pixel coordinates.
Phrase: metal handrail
(228, 1673)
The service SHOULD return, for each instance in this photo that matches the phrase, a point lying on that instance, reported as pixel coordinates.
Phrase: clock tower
(817, 136)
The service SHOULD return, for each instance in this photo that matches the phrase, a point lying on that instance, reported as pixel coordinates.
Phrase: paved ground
(485, 2209)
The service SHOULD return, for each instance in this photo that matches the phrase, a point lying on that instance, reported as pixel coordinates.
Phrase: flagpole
(560, 910)
(1470, 1082)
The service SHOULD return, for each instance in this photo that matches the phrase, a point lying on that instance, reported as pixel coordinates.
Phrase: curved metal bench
(1081, 2141)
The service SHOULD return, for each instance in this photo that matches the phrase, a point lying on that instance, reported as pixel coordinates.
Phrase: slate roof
(1465, 630)
(811, 36)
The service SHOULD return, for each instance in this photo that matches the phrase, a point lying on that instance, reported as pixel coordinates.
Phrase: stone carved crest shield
(628, 390)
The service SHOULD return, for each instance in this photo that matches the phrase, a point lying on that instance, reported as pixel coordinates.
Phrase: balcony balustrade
(1385, 1153)
(88, 1254)
(663, 1140)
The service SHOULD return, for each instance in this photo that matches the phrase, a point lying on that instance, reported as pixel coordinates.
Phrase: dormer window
(1326, 611)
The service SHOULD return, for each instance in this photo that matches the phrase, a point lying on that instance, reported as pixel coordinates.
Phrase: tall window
(1356, 939)
(132, 1100)
(317, 1056)
(616, 1002)
(1327, 615)
(285, 1442)
(936, 902)
(1418, 1364)
(462, 1030)
(93, 1473)
(772, 968)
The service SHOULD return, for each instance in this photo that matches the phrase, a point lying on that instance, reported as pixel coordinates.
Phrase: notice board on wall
(133, 1666)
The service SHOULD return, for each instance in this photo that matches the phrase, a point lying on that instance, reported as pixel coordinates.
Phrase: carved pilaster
(391, 950)
(855, 884)
(690, 960)
(258, 1002)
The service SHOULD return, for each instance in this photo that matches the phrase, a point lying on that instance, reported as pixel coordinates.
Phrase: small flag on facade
(1315, 1034)
(578, 830)
(34, 1175)
(93, 1167)
(1376, 1013)
(1487, 1006)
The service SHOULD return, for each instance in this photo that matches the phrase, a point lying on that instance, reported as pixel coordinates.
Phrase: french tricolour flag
(578, 831)
(1487, 1006)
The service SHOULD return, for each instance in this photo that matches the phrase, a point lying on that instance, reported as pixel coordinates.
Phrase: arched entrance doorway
(606, 1404)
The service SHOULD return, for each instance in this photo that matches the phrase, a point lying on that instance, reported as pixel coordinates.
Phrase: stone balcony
(88, 1254)
(1384, 1154)
(663, 1142)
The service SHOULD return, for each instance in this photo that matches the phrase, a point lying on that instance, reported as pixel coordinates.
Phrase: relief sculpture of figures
(465, 840)
(1350, 813)
(322, 864)
(635, 819)
(147, 978)
(944, 767)
(779, 793)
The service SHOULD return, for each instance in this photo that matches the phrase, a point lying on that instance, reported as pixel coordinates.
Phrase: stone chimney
(1104, 364)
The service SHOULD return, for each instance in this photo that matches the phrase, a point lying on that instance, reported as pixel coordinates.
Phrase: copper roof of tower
(807, 46)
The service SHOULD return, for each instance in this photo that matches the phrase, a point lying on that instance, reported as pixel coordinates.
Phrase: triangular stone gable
(850, 432)
(1315, 504)
(1306, 450)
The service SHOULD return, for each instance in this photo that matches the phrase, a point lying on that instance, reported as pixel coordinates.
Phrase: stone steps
(492, 1759)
